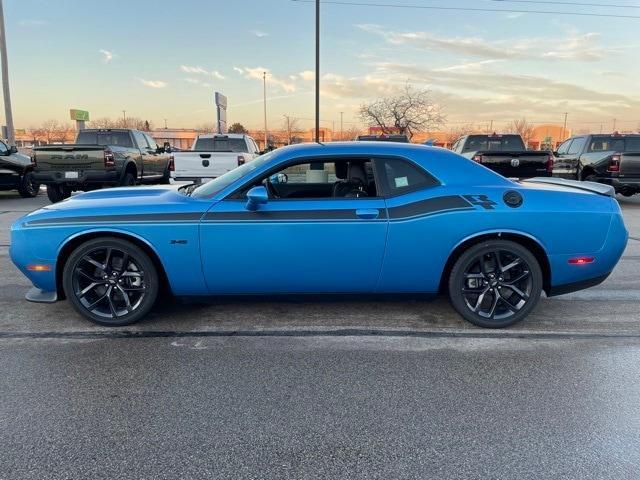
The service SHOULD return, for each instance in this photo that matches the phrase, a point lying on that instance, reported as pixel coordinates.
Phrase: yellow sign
(79, 115)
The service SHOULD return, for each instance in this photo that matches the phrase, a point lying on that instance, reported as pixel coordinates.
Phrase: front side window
(319, 179)
(401, 176)
(3, 148)
(564, 148)
(152, 143)
(141, 140)
(577, 145)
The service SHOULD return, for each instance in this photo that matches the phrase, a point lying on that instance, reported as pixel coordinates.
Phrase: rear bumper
(620, 183)
(103, 177)
(576, 286)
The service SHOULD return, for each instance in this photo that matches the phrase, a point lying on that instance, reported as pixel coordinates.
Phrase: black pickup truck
(101, 157)
(505, 154)
(613, 159)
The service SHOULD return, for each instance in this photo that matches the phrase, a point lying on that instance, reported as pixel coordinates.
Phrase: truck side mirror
(13, 149)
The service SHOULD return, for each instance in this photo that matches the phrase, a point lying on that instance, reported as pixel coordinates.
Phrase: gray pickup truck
(16, 172)
(99, 158)
(611, 158)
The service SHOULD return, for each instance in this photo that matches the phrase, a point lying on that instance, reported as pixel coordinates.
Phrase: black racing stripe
(344, 214)
(430, 207)
(132, 218)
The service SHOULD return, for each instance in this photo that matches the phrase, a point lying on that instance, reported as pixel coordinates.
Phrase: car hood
(122, 202)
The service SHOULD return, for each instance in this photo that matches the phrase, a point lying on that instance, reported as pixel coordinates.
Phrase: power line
(467, 9)
(578, 4)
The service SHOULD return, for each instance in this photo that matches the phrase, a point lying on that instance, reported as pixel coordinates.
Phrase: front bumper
(9, 179)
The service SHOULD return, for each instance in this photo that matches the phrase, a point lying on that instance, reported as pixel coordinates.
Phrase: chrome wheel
(109, 282)
(497, 284)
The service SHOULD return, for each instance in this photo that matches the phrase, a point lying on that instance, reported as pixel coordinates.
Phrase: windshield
(221, 144)
(217, 184)
(502, 143)
(609, 143)
(120, 139)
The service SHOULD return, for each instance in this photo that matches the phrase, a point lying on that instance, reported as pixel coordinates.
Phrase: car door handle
(367, 213)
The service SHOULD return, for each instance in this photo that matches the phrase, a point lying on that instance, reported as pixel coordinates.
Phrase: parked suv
(613, 159)
(101, 157)
(16, 172)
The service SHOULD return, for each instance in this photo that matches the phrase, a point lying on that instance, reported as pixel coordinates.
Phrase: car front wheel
(110, 281)
(29, 187)
(495, 284)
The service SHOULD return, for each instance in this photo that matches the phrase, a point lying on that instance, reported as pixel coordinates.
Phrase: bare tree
(522, 127)
(455, 133)
(408, 112)
(103, 122)
(352, 133)
(292, 129)
(206, 128)
(53, 131)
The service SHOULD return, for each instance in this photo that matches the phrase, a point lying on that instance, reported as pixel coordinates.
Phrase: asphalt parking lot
(358, 389)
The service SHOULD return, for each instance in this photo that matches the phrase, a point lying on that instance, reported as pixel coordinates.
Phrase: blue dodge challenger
(341, 218)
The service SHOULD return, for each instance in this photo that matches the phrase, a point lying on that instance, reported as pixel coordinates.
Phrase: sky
(159, 59)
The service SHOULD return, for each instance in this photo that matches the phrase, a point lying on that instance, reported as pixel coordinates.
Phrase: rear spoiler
(599, 188)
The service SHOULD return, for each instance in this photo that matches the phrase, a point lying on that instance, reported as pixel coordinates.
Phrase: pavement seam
(350, 332)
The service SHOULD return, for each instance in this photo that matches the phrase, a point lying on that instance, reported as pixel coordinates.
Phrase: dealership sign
(79, 115)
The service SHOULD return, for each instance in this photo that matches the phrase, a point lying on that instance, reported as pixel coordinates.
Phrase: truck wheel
(28, 188)
(110, 281)
(166, 178)
(128, 180)
(57, 193)
(495, 284)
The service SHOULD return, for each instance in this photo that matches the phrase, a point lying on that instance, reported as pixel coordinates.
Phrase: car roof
(225, 135)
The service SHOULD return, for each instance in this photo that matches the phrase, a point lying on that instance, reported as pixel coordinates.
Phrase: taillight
(477, 158)
(614, 163)
(550, 164)
(240, 160)
(172, 164)
(109, 158)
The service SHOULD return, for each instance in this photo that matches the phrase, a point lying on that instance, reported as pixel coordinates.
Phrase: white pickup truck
(212, 155)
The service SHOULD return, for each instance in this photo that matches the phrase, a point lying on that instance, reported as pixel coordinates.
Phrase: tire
(166, 178)
(127, 293)
(28, 187)
(129, 180)
(495, 284)
(57, 193)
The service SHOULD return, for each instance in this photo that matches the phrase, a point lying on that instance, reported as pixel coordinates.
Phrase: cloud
(153, 83)
(32, 23)
(259, 33)
(308, 75)
(192, 80)
(573, 46)
(107, 55)
(256, 73)
(218, 75)
(190, 69)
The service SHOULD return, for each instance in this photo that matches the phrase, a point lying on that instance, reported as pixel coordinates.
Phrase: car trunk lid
(597, 188)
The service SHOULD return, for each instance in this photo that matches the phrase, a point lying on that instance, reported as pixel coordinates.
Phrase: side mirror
(257, 196)
(13, 149)
(555, 154)
(167, 147)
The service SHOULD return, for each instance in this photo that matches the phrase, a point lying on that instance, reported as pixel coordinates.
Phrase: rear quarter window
(399, 176)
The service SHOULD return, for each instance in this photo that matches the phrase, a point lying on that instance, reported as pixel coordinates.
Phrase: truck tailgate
(630, 164)
(190, 165)
(69, 158)
(516, 164)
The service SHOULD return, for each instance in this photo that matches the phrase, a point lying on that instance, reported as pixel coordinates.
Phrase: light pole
(341, 127)
(614, 125)
(318, 71)
(288, 129)
(564, 127)
(5, 80)
(124, 118)
(264, 88)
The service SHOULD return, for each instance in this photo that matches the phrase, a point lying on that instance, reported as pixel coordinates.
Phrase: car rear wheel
(495, 284)
(57, 193)
(110, 281)
(29, 187)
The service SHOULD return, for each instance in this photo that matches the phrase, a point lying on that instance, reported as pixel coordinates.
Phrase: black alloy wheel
(495, 284)
(110, 281)
(29, 187)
